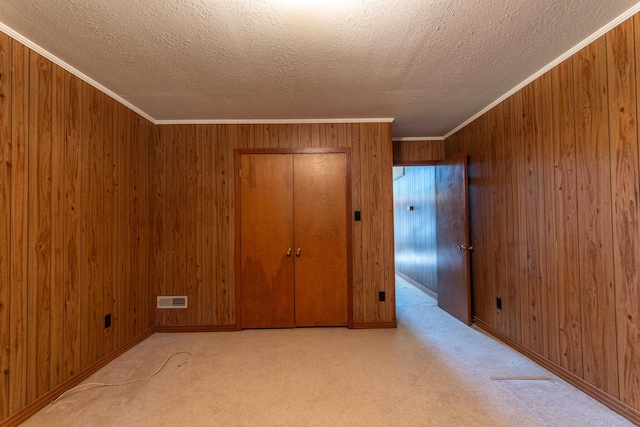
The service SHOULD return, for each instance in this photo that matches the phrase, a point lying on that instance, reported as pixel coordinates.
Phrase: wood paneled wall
(554, 195)
(415, 230)
(72, 225)
(417, 152)
(191, 244)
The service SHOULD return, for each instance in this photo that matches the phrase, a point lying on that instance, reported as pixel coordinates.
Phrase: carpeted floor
(431, 371)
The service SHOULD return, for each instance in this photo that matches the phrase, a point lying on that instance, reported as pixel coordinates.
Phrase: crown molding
(601, 32)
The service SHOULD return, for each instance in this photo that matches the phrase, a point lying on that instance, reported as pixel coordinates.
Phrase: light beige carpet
(431, 371)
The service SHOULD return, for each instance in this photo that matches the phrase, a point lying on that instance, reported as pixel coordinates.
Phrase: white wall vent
(172, 302)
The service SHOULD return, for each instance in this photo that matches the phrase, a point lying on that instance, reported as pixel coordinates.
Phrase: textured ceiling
(430, 64)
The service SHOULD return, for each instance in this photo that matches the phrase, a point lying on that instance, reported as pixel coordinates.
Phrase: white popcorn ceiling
(429, 64)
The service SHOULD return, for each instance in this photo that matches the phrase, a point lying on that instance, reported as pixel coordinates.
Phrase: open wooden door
(452, 237)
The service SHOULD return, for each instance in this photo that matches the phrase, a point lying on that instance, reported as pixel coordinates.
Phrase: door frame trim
(237, 209)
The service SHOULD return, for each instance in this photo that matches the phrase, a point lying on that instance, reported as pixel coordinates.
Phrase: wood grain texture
(412, 152)
(18, 301)
(386, 147)
(72, 226)
(5, 213)
(176, 219)
(570, 188)
(157, 220)
(534, 205)
(320, 232)
(91, 275)
(478, 224)
(594, 218)
(452, 232)
(123, 237)
(511, 219)
(109, 216)
(547, 168)
(64, 246)
(39, 227)
(622, 50)
(356, 201)
(56, 333)
(498, 228)
(223, 178)
(566, 218)
(136, 286)
(217, 225)
(267, 241)
(195, 223)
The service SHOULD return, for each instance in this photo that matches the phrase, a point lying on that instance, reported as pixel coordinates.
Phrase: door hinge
(240, 173)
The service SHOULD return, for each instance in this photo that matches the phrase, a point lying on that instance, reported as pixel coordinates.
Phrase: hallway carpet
(431, 371)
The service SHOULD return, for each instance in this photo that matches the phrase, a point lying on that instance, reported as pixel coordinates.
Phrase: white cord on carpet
(82, 387)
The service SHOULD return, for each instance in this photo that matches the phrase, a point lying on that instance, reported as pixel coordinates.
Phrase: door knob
(464, 248)
(289, 252)
(298, 252)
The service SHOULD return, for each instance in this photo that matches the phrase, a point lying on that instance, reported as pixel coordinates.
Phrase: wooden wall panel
(497, 229)
(571, 188)
(195, 225)
(566, 219)
(5, 213)
(39, 227)
(61, 156)
(356, 202)
(594, 218)
(623, 134)
(18, 300)
(223, 178)
(413, 152)
(91, 174)
(56, 338)
(534, 205)
(110, 132)
(199, 215)
(512, 210)
(549, 275)
(176, 219)
(157, 221)
(72, 227)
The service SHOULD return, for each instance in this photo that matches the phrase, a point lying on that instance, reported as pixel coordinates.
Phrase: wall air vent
(172, 302)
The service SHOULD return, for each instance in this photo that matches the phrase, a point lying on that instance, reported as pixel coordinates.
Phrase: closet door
(266, 236)
(320, 215)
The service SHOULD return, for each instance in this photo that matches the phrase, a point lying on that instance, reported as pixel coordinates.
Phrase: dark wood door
(320, 208)
(267, 241)
(452, 237)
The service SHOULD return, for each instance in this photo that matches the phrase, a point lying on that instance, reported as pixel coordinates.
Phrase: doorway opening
(414, 199)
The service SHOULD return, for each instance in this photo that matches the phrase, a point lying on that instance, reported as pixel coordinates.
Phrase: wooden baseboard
(418, 285)
(381, 325)
(23, 414)
(212, 328)
(614, 404)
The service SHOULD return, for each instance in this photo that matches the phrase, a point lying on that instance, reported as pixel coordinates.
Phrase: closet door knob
(289, 251)
(298, 252)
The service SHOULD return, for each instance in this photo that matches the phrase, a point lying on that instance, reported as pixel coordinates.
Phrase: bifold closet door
(320, 230)
(266, 237)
